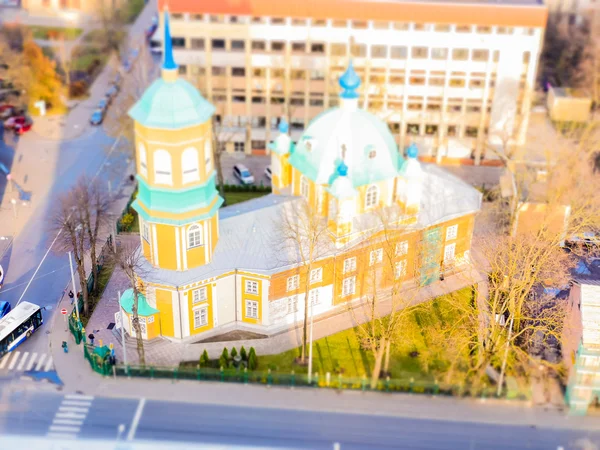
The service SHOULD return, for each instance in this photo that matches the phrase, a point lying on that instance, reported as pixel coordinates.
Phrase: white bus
(18, 325)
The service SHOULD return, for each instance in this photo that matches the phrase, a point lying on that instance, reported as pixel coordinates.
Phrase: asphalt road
(55, 416)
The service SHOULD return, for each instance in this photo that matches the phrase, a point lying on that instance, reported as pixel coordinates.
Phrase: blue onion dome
(342, 169)
(349, 82)
(283, 126)
(412, 151)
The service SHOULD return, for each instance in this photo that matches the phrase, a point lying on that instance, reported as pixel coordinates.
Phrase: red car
(19, 124)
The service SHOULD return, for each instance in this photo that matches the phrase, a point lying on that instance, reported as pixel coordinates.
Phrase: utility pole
(501, 379)
(74, 288)
(310, 347)
(122, 331)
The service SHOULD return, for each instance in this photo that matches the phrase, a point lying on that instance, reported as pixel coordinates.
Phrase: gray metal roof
(251, 234)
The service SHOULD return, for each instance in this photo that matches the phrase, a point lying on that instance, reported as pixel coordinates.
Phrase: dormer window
(309, 143)
(370, 151)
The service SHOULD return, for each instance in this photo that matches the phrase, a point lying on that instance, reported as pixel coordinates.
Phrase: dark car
(97, 117)
(4, 309)
(103, 104)
(112, 92)
(118, 79)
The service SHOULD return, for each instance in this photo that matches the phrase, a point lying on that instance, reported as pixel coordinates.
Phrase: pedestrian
(65, 347)
(91, 338)
(71, 296)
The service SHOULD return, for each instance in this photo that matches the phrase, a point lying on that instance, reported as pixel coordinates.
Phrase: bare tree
(305, 233)
(129, 258)
(383, 266)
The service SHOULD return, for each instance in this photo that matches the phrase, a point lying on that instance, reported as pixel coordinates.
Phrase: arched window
(304, 188)
(207, 157)
(162, 167)
(372, 197)
(189, 165)
(194, 236)
(143, 160)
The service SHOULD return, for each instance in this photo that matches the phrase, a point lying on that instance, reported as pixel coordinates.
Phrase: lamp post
(122, 330)
(74, 288)
(310, 346)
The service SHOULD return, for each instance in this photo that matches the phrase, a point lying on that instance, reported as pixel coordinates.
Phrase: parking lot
(256, 164)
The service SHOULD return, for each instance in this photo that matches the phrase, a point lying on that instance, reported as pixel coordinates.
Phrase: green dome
(171, 105)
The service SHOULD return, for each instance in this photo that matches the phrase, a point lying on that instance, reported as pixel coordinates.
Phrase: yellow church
(209, 270)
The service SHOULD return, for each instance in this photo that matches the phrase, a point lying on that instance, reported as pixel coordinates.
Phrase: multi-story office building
(452, 77)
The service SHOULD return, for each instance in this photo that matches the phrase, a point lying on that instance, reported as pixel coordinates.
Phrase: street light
(311, 341)
(74, 288)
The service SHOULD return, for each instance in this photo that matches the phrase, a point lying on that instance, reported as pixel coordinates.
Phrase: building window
(400, 269)
(218, 44)
(258, 145)
(251, 287)
(182, 69)
(189, 165)
(238, 146)
(316, 275)
(162, 167)
(197, 17)
(439, 53)
(218, 71)
(237, 45)
(298, 47)
(197, 44)
(480, 55)
(398, 52)
(419, 52)
(339, 49)
(277, 46)
(379, 51)
(259, 45)
(238, 72)
(292, 304)
(349, 286)
(402, 248)
(200, 317)
(194, 236)
(372, 197)
(304, 187)
(143, 163)
(451, 232)
(317, 48)
(359, 50)
(350, 264)
(199, 295)
(376, 256)
(251, 309)
(146, 231)
(449, 252)
(471, 131)
(178, 42)
(313, 297)
(460, 54)
(293, 283)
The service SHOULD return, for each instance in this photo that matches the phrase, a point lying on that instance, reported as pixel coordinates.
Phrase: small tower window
(189, 165)
(194, 236)
(162, 167)
(143, 161)
(372, 197)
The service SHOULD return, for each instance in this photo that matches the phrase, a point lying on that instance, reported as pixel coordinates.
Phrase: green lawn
(54, 33)
(236, 197)
(342, 352)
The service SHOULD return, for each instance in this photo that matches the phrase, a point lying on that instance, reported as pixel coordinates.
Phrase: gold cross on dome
(343, 152)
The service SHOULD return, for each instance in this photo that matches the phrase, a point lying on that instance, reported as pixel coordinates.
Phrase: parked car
(127, 66)
(103, 104)
(112, 92)
(1, 277)
(268, 172)
(118, 79)
(97, 117)
(150, 32)
(242, 173)
(4, 309)
(587, 238)
(22, 125)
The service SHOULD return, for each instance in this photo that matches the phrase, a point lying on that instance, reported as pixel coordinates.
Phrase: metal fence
(327, 381)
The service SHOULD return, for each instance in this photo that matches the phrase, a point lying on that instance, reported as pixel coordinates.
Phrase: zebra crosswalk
(70, 416)
(26, 361)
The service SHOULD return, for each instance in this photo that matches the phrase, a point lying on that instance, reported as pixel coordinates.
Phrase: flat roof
(514, 13)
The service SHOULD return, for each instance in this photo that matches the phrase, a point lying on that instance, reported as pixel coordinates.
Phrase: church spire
(169, 65)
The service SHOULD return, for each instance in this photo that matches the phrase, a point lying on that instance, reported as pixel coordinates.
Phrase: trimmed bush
(225, 354)
(223, 362)
(204, 361)
(243, 354)
(127, 221)
(233, 353)
(252, 359)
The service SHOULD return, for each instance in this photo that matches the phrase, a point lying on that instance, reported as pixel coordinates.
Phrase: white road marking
(23, 361)
(13, 361)
(31, 361)
(61, 435)
(64, 429)
(48, 364)
(76, 403)
(136, 419)
(67, 422)
(40, 362)
(79, 397)
(74, 409)
(69, 415)
(4, 360)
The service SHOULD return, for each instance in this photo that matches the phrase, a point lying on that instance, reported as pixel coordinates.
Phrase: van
(242, 173)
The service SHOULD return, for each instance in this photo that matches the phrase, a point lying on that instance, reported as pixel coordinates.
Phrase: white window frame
(348, 286)
(400, 268)
(371, 196)
(316, 275)
(449, 252)
(304, 187)
(252, 309)
(142, 322)
(146, 231)
(293, 282)
(200, 317)
(251, 287)
(452, 232)
(349, 265)
(402, 248)
(143, 160)
(313, 297)
(376, 256)
(189, 166)
(292, 304)
(239, 145)
(199, 295)
(197, 230)
(163, 170)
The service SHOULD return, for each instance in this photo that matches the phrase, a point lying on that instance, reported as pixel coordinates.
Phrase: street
(58, 416)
